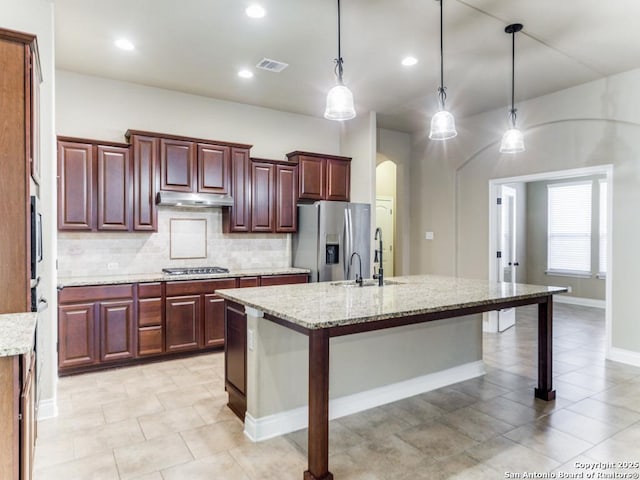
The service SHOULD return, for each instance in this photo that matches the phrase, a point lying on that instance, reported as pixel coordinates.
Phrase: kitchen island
(321, 311)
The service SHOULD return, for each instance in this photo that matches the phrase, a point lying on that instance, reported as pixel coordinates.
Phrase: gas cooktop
(194, 270)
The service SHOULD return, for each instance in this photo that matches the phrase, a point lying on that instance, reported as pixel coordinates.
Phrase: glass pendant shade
(443, 126)
(512, 141)
(339, 104)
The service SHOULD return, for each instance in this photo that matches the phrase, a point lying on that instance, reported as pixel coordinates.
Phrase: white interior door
(507, 260)
(384, 220)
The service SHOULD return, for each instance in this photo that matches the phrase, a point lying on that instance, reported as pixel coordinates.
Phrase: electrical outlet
(428, 236)
(112, 266)
(569, 289)
(251, 340)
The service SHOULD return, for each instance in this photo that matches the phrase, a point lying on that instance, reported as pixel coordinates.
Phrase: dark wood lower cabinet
(235, 352)
(183, 323)
(105, 326)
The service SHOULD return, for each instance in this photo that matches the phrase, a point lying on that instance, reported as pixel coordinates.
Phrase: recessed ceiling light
(124, 44)
(255, 11)
(409, 61)
(245, 74)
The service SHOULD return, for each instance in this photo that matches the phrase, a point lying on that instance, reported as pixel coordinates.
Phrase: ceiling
(198, 46)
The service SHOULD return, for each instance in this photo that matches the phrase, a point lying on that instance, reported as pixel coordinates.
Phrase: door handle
(516, 264)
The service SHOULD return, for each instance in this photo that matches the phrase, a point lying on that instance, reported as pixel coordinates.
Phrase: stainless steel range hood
(201, 200)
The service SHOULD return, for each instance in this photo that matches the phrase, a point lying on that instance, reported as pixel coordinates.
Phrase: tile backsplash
(106, 253)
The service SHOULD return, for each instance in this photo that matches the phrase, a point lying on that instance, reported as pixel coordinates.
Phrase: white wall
(103, 109)
(396, 147)
(596, 123)
(36, 17)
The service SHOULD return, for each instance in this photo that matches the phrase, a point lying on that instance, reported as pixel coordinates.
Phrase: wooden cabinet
(94, 186)
(235, 353)
(17, 416)
(263, 184)
(238, 218)
(113, 188)
(177, 165)
(214, 168)
(322, 177)
(286, 198)
(150, 319)
(95, 326)
(75, 186)
(194, 315)
(235, 347)
(145, 182)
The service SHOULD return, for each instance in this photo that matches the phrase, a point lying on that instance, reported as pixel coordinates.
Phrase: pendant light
(443, 125)
(339, 99)
(512, 140)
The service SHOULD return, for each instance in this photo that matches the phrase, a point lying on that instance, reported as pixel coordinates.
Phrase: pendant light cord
(512, 113)
(441, 90)
(339, 59)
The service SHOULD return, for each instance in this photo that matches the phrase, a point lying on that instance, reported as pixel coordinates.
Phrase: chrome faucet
(378, 258)
(358, 276)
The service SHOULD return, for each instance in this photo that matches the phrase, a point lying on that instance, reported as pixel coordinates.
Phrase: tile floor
(168, 421)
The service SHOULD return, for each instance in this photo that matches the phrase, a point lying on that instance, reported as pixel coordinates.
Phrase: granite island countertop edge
(17, 333)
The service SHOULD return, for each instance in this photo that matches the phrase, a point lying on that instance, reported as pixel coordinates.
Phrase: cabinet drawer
(149, 312)
(283, 279)
(106, 292)
(248, 282)
(149, 341)
(197, 288)
(147, 290)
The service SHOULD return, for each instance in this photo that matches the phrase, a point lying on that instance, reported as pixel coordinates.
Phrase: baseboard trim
(624, 356)
(47, 408)
(263, 428)
(584, 302)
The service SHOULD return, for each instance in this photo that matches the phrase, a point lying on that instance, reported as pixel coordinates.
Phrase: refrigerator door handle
(345, 245)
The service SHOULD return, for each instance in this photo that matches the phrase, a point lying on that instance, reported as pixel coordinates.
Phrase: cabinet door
(116, 330)
(286, 198)
(235, 361)
(262, 197)
(311, 171)
(145, 183)
(214, 168)
(213, 321)
(338, 179)
(75, 186)
(177, 165)
(76, 335)
(150, 338)
(28, 422)
(114, 188)
(33, 95)
(238, 217)
(182, 316)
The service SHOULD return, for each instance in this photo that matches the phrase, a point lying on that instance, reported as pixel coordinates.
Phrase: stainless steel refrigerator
(328, 233)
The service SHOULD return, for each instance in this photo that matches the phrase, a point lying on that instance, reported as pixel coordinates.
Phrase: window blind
(569, 227)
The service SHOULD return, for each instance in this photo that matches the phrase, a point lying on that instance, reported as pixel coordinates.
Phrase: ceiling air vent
(272, 65)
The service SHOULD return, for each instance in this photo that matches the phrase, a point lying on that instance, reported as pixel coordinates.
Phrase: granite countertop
(325, 304)
(17, 333)
(163, 277)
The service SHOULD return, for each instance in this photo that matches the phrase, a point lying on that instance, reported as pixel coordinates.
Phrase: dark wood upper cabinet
(238, 217)
(95, 188)
(145, 182)
(76, 163)
(322, 177)
(114, 188)
(312, 177)
(214, 168)
(286, 198)
(177, 165)
(338, 179)
(263, 184)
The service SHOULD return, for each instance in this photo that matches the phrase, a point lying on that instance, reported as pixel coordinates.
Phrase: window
(602, 227)
(569, 228)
